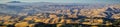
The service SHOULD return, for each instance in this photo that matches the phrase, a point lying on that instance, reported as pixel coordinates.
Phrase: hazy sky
(66, 1)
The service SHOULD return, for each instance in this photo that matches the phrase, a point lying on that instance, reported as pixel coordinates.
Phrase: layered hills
(58, 14)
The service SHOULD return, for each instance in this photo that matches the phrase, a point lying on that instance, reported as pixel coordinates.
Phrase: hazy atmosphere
(66, 1)
(59, 13)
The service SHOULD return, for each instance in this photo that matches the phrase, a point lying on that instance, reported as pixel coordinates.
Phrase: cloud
(4, 1)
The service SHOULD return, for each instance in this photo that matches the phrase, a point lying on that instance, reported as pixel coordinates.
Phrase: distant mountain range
(17, 7)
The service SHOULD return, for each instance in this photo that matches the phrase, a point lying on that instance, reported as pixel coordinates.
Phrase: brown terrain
(97, 17)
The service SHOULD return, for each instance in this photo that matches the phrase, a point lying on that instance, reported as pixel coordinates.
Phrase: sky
(65, 1)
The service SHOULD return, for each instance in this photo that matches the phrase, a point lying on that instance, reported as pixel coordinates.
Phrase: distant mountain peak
(14, 2)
